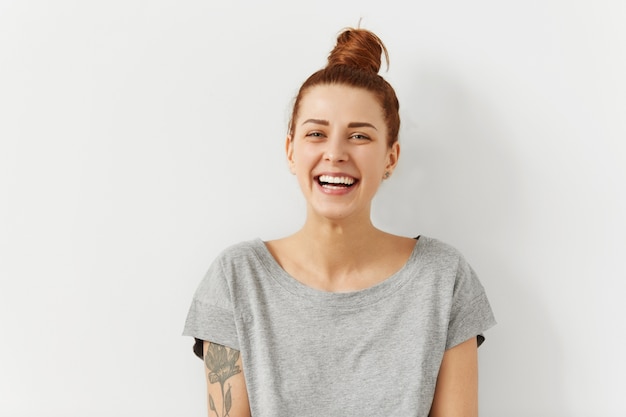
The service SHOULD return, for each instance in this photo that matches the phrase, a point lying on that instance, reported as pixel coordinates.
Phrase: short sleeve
(210, 316)
(470, 313)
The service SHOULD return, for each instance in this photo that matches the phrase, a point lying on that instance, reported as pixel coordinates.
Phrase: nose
(335, 150)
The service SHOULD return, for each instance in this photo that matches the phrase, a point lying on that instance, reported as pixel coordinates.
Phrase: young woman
(341, 318)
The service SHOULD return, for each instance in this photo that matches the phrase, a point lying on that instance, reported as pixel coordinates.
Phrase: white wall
(139, 138)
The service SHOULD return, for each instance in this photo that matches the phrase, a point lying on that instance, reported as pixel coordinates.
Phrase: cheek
(304, 157)
(301, 166)
(375, 161)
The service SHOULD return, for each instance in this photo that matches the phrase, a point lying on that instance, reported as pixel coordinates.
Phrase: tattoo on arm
(221, 362)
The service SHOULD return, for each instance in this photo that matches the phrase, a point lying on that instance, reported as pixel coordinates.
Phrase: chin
(336, 213)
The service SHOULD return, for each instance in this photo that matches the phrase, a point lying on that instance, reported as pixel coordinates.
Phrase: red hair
(355, 62)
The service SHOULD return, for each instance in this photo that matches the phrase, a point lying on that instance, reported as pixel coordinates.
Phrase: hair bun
(358, 48)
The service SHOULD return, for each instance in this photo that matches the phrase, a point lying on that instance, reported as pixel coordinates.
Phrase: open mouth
(328, 181)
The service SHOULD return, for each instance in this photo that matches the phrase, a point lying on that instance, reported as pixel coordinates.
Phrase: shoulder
(229, 266)
(444, 263)
(244, 261)
(233, 258)
(439, 252)
(239, 252)
(448, 264)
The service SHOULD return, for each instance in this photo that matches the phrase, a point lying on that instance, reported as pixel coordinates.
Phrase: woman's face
(339, 150)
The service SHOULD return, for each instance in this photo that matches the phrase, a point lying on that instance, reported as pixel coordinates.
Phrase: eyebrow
(352, 124)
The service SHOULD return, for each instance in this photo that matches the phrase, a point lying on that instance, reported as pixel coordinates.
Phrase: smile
(329, 181)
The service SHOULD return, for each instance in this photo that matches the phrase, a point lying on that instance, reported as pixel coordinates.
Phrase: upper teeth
(336, 180)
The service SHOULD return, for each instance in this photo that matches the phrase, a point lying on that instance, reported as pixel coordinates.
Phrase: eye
(315, 135)
(360, 137)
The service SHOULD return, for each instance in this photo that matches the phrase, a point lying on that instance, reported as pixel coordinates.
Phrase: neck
(338, 247)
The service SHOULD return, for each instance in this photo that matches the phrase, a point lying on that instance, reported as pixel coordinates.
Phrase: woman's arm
(456, 392)
(227, 394)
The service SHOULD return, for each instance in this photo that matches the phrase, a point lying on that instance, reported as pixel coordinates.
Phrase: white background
(139, 138)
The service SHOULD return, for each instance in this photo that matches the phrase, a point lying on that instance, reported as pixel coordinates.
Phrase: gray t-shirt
(307, 352)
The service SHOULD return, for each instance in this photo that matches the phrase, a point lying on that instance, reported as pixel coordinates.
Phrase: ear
(289, 153)
(392, 157)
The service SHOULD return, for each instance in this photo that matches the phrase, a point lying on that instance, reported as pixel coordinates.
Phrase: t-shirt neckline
(349, 299)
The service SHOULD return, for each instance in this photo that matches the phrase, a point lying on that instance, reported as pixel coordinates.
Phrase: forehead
(341, 104)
